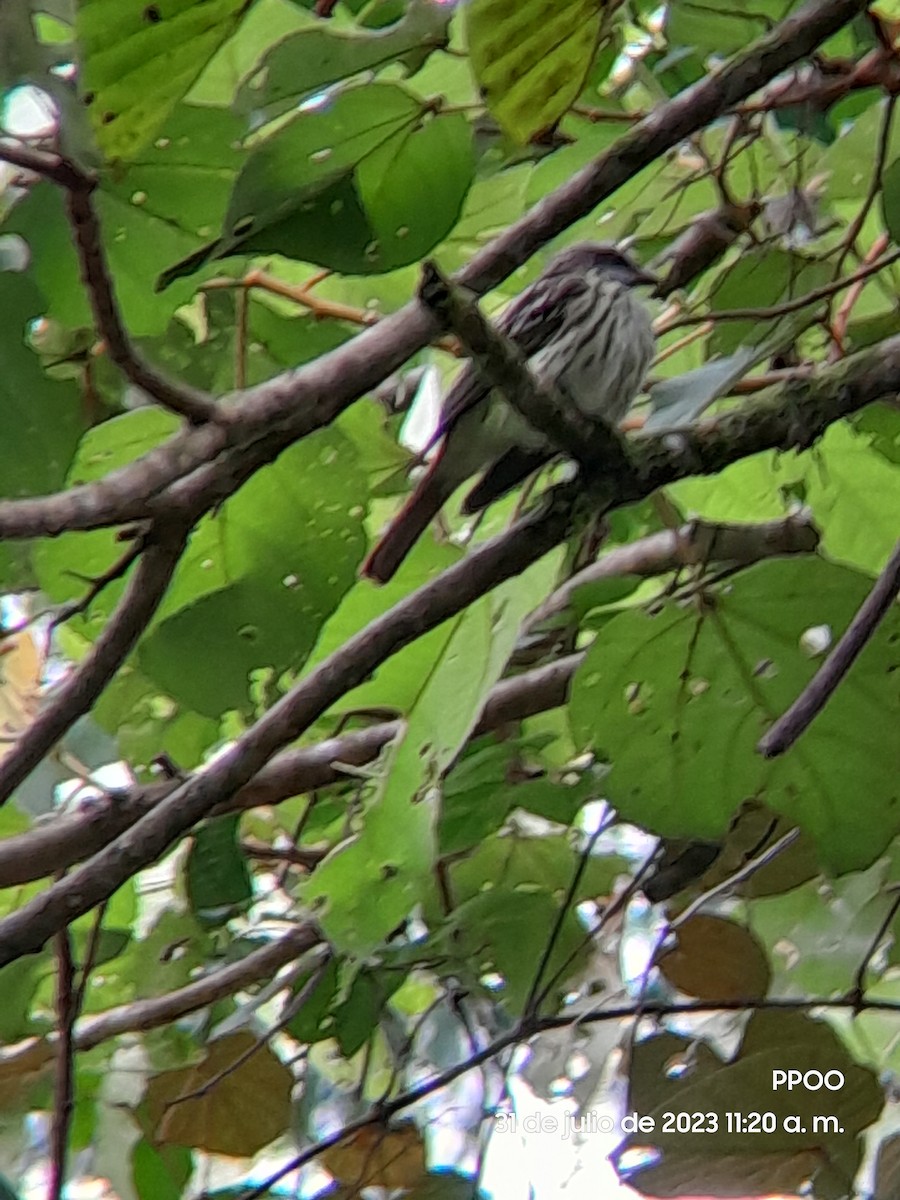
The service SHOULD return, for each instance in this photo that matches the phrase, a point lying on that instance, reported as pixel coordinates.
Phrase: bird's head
(605, 259)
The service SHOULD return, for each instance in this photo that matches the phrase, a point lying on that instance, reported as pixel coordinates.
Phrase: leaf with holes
(677, 702)
(310, 59)
(139, 59)
(362, 182)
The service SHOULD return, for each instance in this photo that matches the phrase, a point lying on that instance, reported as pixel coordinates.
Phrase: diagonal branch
(788, 728)
(771, 420)
(161, 1010)
(148, 584)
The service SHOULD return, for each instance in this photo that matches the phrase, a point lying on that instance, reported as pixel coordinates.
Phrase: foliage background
(429, 812)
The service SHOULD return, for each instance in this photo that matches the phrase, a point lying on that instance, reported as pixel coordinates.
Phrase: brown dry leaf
(378, 1157)
(232, 1109)
(717, 960)
(21, 664)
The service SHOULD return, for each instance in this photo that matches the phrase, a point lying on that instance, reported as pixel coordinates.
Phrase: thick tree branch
(143, 595)
(824, 683)
(696, 543)
(161, 1010)
(789, 417)
(499, 559)
(779, 419)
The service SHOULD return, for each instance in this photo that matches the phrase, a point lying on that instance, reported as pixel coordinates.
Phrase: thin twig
(98, 585)
(858, 991)
(63, 1101)
(145, 591)
(190, 403)
(788, 306)
(839, 328)
(788, 728)
(535, 995)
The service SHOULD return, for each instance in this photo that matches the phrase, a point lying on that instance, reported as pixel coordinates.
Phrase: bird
(582, 329)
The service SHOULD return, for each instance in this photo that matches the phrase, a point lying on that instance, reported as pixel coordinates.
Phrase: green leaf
(41, 417)
(507, 896)
(854, 493)
(160, 1173)
(260, 577)
(396, 682)
(677, 702)
(218, 880)
(309, 1025)
(138, 60)
(890, 199)
(761, 279)
(747, 490)
(364, 181)
(309, 59)
(723, 29)
(65, 564)
(396, 848)
(531, 60)
(173, 195)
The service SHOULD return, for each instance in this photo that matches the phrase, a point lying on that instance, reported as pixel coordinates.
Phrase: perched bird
(581, 328)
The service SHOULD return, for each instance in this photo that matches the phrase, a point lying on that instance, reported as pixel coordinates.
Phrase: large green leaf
(531, 59)
(677, 702)
(396, 848)
(260, 577)
(854, 494)
(363, 182)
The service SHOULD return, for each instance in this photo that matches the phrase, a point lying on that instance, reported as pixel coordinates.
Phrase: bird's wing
(530, 321)
(502, 476)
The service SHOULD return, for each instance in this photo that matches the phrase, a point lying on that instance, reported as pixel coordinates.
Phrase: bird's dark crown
(603, 257)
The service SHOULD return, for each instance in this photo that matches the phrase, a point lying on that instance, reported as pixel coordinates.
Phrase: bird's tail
(433, 490)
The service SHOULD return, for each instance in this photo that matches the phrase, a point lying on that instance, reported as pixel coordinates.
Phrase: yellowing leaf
(21, 664)
(139, 59)
(531, 58)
